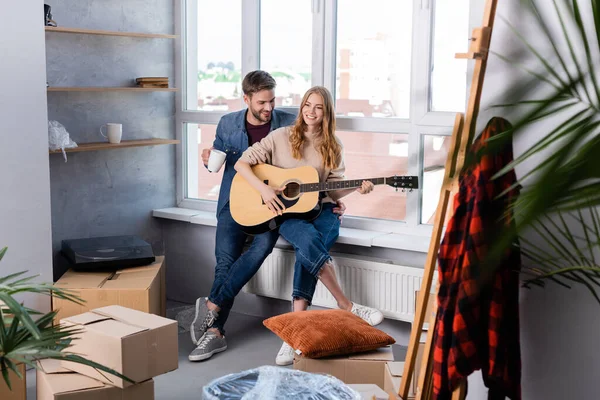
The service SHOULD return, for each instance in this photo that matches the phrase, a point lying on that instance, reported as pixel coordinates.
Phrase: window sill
(349, 236)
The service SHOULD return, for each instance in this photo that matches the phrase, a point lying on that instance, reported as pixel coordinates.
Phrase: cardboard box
(19, 386)
(135, 344)
(372, 392)
(138, 288)
(58, 383)
(394, 371)
(356, 368)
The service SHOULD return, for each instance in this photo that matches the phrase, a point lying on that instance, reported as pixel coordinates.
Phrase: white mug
(216, 160)
(113, 132)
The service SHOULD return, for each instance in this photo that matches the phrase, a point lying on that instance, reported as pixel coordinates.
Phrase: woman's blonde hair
(329, 147)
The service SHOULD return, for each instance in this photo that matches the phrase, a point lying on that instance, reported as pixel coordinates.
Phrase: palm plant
(26, 340)
(562, 192)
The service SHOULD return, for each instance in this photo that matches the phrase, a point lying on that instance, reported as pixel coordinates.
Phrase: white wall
(24, 171)
(559, 327)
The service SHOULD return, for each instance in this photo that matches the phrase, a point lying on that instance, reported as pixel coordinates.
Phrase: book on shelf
(153, 85)
(152, 80)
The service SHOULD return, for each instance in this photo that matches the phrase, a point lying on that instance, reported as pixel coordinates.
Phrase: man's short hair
(256, 81)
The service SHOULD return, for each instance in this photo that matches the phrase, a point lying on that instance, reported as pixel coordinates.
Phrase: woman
(310, 141)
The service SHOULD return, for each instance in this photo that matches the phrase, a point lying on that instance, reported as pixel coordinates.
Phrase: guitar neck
(337, 185)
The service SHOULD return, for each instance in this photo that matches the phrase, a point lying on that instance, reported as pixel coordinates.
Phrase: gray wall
(111, 192)
(24, 175)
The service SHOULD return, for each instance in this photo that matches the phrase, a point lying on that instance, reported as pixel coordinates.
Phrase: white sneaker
(285, 355)
(371, 315)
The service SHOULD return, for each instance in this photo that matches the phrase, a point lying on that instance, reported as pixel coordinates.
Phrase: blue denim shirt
(232, 138)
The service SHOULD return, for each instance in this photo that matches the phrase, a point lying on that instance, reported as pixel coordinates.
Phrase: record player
(107, 253)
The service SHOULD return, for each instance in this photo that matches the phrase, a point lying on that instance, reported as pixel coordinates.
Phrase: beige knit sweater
(275, 149)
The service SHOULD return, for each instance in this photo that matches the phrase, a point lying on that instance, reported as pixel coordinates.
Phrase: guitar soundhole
(292, 190)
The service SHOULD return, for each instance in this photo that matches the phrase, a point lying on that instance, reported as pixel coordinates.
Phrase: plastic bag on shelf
(275, 383)
(58, 138)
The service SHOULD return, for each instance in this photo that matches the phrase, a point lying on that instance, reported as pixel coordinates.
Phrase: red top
(256, 133)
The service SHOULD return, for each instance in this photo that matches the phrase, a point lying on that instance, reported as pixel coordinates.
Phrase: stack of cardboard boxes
(134, 343)
(122, 329)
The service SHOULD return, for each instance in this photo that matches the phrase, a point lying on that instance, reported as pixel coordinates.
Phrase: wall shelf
(108, 33)
(110, 146)
(108, 89)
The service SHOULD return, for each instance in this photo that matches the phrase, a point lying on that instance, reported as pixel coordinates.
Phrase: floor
(250, 345)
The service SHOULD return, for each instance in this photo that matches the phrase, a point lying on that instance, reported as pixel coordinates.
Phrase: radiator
(385, 286)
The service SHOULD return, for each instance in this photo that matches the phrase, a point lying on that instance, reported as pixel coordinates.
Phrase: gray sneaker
(208, 345)
(203, 319)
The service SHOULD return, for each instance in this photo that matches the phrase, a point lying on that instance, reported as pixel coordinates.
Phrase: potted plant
(26, 335)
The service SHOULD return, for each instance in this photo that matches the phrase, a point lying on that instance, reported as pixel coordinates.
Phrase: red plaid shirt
(477, 322)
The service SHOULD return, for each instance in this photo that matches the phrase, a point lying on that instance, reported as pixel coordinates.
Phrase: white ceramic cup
(216, 160)
(114, 132)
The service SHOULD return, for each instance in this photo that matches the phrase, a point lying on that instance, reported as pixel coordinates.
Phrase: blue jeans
(311, 241)
(234, 269)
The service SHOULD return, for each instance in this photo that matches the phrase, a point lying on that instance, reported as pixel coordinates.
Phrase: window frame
(421, 120)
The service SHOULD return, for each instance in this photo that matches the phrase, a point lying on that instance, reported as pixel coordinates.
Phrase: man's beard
(260, 117)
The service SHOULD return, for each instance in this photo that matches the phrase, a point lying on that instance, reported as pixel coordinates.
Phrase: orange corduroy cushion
(322, 333)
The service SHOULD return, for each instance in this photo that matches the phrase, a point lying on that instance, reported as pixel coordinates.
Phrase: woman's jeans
(312, 241)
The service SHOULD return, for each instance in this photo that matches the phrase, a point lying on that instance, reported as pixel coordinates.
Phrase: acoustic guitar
(300, 195)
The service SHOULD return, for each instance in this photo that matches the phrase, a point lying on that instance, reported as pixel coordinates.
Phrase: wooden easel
(462, 137)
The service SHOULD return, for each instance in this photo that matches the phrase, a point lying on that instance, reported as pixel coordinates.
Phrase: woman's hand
(339, 209)
(269, 196)
(366, 187)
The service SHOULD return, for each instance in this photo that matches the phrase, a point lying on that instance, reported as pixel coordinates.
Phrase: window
(389, 65)
(448, 74)
(375, 155)
(372, 67)
(201, 184)
(435, 151)
(285, 47)
(215, 65)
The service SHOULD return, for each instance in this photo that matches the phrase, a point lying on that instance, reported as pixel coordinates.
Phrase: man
(235, 132)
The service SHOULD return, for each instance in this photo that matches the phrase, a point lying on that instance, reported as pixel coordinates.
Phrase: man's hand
(340, 209)
(206, 155)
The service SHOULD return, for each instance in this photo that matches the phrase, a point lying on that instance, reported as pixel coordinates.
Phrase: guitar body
(247, 207)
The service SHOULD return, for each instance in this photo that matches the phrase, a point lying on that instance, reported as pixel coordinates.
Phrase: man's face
(261, 105)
